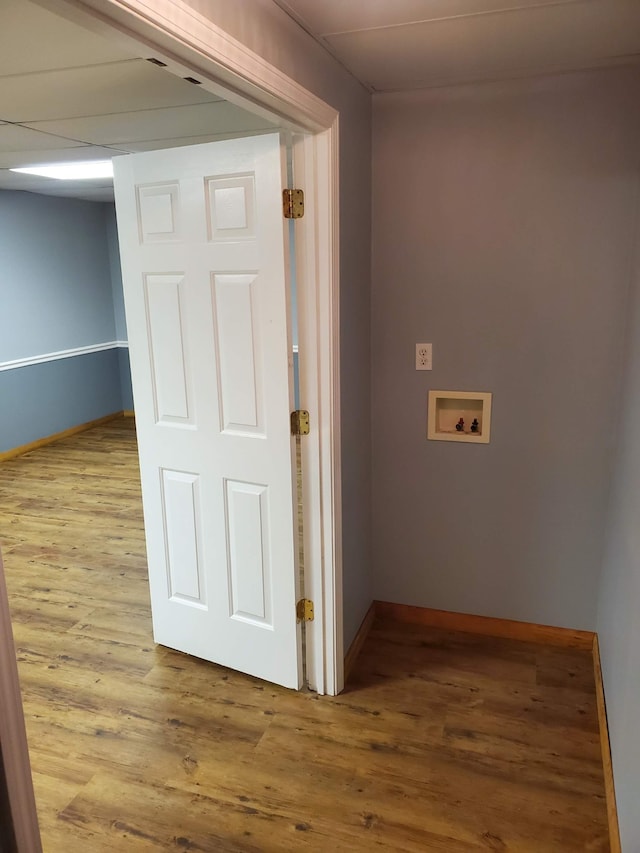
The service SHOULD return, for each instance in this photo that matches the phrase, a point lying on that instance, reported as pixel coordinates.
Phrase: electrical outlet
(424, 357)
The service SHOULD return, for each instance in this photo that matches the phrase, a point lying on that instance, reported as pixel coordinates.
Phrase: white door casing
(14, 754)
(202, 241)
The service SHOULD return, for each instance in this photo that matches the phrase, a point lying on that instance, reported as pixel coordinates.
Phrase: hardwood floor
(442, 742)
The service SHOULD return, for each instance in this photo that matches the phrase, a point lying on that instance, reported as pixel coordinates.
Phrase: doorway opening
(309, 153)
(248, 80)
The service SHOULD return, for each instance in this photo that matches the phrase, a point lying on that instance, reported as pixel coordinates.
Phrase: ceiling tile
(47, 41)
(98, 194)
(20, 181)
(336, 16)
(156, 124)
(79, 93)
(156, 144)
(14, 137)
(99, 90)
(48, 186)
(486, 46)
(10, 159)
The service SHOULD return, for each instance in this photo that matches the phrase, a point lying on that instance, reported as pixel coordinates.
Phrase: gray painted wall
(51, 397)
(117, 293)
(618, 612)
(56, 281)
(268, 31)
(115, 271)
(503, 233)
(57, 294)
(126, 387)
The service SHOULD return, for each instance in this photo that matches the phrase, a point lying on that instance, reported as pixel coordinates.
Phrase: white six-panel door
(202, 242)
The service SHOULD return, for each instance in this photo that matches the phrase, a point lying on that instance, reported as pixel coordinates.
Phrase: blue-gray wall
(59, 290)
(126, 388)
(619, 605)
(47, 398)
(511, 253)
(118, 306)
(56, 279)
(115, 272)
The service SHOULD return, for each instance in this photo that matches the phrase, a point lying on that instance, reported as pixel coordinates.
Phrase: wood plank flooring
(442, 742)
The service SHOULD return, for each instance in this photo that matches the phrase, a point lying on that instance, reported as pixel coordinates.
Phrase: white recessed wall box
(459, 416)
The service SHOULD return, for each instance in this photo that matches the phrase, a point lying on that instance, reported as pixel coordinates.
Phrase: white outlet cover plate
(424, 357)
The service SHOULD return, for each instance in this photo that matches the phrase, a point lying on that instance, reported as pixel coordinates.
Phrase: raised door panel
(184, 550)
(238, 353)
(167, 336)
(158, 212)
(231, 207)
(247, 510)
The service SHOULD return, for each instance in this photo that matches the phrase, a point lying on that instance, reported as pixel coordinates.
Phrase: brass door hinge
(300, 422)
(293, 204)
(304, 610)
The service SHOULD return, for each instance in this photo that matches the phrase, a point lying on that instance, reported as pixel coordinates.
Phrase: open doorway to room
(37, 134)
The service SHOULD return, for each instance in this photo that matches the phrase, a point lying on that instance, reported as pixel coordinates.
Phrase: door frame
(14, 759)
(192, 45)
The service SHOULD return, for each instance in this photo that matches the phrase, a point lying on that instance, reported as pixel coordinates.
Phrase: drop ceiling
(69, 94)
(392, 45)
